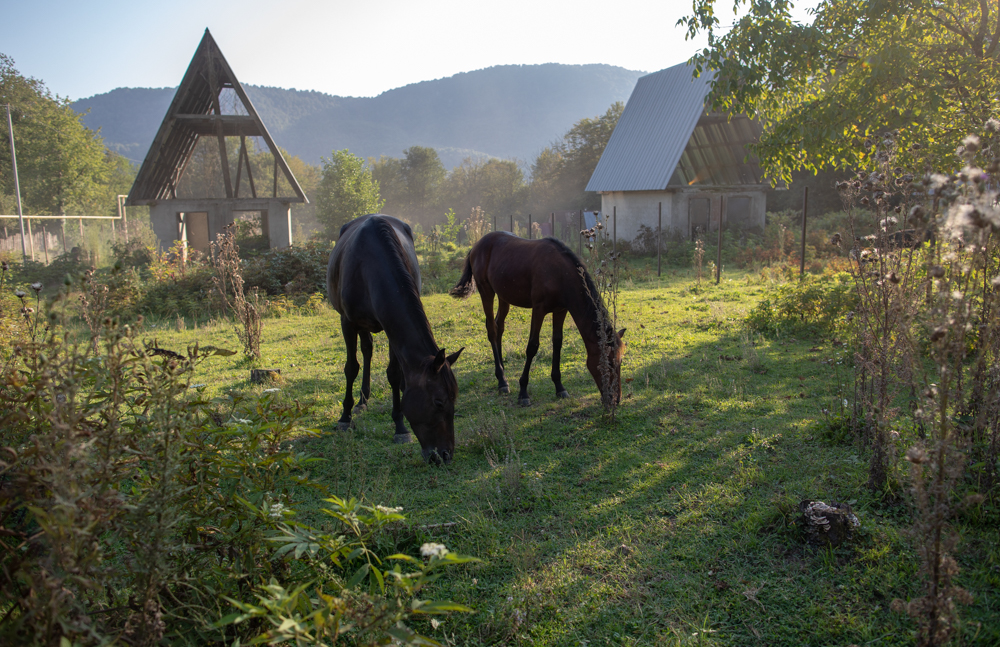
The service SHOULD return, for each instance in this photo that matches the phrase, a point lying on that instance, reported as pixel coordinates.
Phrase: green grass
(670, 525)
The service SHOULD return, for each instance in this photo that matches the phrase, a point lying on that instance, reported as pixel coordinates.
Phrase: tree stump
(828, 525)
(262, 375)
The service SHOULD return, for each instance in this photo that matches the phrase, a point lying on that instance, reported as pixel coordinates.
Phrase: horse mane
(592, 300)
(387, 234)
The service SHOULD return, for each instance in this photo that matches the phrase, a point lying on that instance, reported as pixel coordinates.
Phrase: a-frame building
(195, 112)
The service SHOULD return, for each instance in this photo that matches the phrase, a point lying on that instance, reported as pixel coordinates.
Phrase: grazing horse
(546, 276)
(373, 280)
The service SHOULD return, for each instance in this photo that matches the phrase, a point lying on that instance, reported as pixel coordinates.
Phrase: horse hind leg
(491, 333)
(537, 317)
(366, 383)
(558, 318)
(351, 368)
(502, 309)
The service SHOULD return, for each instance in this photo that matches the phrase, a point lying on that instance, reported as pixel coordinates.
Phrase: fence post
(512, 223)
(494, 222)
(659, 230)
(552, 223)
(531, 234)
(805, 208)
(614, 229)
(31, 239)
(580, 242)
(718, 257)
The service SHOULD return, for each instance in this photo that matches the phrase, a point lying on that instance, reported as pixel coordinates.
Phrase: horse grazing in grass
(373, 280)
(546, 276)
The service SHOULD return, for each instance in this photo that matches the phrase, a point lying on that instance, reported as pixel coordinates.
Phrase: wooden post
(805, 208)
(530, 233)
(64, 236)
(31, 239)
(614, 228)
(718, 258)
(552, 223)
(581, 232)
(512, 223)
(45, 244)
(659, 229)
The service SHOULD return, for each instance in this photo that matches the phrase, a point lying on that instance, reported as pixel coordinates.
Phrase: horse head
(604, 362)
(429, 406)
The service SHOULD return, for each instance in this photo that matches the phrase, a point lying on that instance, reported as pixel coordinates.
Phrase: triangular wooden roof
(196, 111)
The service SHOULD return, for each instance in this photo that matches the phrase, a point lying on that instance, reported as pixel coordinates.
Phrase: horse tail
(467, 284)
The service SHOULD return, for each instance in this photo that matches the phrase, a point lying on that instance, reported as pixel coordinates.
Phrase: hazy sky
(347, 48)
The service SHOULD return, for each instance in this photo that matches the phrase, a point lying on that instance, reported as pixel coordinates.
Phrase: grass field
(670, 525)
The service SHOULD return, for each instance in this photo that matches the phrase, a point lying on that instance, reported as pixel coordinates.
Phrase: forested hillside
(510, 111)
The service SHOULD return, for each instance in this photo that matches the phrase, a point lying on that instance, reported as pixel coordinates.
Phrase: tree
(346, 191)
(423, 174)
(823, 91)
(62, 165)
(495, 185)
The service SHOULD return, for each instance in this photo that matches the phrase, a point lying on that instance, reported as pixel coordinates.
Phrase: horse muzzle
(433, 457)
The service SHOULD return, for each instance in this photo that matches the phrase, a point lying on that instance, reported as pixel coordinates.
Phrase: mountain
(507, 111)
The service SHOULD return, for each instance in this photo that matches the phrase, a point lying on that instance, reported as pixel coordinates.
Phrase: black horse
(373, 280)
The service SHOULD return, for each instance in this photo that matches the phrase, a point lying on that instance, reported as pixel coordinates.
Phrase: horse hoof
(524, 402)
(504, 390)
(399, 439)
(344, 426)
(563, 394)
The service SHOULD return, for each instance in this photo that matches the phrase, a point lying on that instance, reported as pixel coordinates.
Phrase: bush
(815, 305)
(295, 270)
(136, 511)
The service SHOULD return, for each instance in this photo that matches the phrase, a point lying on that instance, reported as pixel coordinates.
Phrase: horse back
(373, 258)
(526, 273)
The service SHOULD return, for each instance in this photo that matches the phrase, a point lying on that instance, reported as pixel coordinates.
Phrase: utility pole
(17, 184)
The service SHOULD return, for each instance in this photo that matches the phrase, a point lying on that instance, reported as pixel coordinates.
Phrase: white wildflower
(845, 402)
(276, 510)
(270, 390)
(387, 510)
(20, 294)
(429, 550)
(37, 287)
(197, 386)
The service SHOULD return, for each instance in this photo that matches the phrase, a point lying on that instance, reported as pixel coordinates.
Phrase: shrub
(136, 511)
(815, 305)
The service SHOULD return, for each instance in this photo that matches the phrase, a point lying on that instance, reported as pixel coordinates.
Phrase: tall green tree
(423, 174)
(346, 191)
(63, 166)
(495, 185)
(822, 91)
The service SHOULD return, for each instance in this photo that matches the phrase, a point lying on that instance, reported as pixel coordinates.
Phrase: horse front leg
(537, 317)
(351, 367)
(558, 318)
(491, 333)
(366, 372)
(395, 375)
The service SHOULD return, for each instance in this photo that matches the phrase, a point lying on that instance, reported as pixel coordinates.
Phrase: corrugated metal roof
(664, 137)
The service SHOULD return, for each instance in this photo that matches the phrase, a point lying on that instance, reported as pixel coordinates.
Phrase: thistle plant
(928, 340)
(228, 281)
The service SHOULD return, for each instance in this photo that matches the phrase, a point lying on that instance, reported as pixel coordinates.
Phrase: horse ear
(454, 356)
(621, 333)
(438, 361)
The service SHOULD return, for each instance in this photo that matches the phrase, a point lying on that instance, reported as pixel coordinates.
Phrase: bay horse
(373, 280)
(547, 277)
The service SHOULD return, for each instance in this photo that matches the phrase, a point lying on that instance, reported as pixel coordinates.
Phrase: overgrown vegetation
(137, 510)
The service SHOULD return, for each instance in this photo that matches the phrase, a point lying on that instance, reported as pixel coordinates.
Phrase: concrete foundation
(685, 209)
(198, 222)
